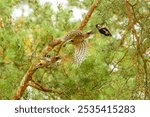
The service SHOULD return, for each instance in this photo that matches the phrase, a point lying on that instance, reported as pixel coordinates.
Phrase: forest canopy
(115, 67)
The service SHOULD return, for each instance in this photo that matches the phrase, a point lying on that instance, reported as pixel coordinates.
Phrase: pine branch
(89, 14)
(38, 86)
(132, 23)
(28, 76)
(23, 85)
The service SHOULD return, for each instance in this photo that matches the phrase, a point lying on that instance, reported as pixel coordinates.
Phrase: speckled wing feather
(80, 52)
(72, 35)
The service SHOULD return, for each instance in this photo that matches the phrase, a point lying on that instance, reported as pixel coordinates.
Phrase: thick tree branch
(89, 14)
(23, 85)
(28, 76)
(50, 46)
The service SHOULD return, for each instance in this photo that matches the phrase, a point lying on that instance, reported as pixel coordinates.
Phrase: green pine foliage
(113, 69)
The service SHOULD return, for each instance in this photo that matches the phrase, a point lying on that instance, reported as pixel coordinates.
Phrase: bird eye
(57, 58)
(72, 40)
(40, 64)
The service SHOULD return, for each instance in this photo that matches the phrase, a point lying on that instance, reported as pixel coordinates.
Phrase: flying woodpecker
(103, 30)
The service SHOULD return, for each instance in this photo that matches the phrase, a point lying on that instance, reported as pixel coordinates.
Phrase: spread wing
(80, 52)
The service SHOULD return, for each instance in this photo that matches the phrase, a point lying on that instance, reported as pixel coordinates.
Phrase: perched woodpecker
(103, 30)
(77, 38)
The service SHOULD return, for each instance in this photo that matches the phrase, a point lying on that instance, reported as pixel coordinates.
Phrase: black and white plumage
(103, 30)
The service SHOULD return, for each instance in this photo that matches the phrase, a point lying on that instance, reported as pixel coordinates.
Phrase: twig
(119, 61)
(38, 86)
(123, 36)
